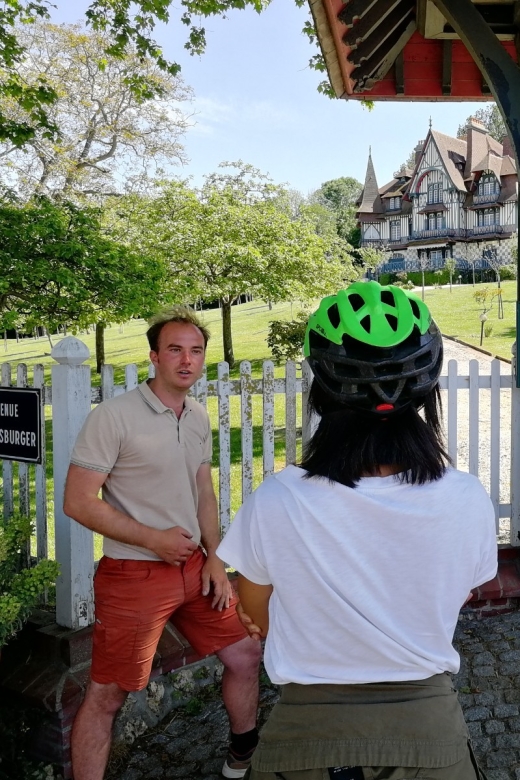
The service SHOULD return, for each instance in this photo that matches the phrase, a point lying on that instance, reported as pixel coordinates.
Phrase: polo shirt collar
(155, 402)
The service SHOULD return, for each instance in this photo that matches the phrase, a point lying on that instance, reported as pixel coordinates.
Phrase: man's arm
(83, 504)
(213, 573)
(254, 600)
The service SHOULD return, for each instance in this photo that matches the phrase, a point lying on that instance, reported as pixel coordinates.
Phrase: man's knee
(242, 657)
(105, 698)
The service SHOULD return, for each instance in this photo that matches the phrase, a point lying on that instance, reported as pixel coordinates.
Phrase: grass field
(127, 344)
(456, 312)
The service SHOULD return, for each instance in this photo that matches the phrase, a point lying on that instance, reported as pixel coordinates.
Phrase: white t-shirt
(368, 582)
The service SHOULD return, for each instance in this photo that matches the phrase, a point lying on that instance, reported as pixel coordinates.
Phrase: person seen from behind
(356, 563)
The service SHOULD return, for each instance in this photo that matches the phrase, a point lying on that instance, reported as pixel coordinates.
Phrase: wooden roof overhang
(406, 49)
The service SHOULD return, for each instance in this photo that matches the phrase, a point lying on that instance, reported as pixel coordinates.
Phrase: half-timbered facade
(460, 201)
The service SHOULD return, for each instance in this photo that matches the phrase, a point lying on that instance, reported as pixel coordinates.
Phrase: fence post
(71, 404)
(515, 453)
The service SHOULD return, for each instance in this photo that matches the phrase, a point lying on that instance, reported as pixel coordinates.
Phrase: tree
(372, 258)
(424, 264)
(340, 196)
(450, 265)
(491, 118)
(127, 27)
(57, 267)
(232, 237)
(108, 132)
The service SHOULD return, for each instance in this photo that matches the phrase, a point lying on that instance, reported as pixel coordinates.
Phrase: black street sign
(20, 424)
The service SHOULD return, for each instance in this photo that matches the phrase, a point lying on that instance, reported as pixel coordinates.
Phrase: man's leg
(92, 730)
(240, 683)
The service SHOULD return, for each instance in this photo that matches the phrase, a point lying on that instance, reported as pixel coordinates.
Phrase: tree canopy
(233, 236)
(340, 196)
(107, 133)
(127, 28)
(58, 267)
(491, 118)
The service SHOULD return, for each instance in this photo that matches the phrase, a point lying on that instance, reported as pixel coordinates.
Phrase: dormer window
(488, 184)
(395, 203)
(435, 192)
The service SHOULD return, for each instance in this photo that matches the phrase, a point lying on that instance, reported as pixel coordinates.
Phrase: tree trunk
(100, 346)
(48, 334)
(227, 337)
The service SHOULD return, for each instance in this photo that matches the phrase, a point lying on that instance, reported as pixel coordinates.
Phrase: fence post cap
(71, 351)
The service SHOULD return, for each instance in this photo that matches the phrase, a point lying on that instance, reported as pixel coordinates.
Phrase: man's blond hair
(183, 314)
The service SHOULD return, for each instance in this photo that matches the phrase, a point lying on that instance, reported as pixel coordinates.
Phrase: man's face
(179, 359)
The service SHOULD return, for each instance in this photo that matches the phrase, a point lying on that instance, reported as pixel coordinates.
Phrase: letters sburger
(20, 420)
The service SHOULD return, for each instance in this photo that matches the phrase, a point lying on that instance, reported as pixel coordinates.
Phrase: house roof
(453, 153)
(370, 200)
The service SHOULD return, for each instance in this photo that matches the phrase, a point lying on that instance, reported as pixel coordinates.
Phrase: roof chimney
(418, 151)
(476, 145)
(475, 124)
(507, 147)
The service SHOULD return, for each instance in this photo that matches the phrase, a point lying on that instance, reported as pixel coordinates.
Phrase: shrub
(508, 272)
(20, 588)
(285, 337)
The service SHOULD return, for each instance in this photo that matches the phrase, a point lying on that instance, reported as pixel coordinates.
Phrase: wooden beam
(372, 19)
(371, 43)
(354, 9)
(376, 68)
(446, 67)
(399, 74)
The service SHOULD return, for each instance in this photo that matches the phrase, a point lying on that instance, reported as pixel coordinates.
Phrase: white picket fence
(482, 415)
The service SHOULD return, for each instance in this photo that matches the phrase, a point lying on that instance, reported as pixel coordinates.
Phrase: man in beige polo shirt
(149, 452)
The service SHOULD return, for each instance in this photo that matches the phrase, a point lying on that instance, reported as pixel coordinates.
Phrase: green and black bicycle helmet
(374, 348)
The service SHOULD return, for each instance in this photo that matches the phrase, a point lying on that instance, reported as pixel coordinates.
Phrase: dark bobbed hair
(181, 314)
(350, 443)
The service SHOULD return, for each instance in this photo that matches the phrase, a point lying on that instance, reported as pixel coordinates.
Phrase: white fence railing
(482, 417)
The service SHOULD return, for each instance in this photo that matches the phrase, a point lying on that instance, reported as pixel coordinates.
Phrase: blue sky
(256, 100)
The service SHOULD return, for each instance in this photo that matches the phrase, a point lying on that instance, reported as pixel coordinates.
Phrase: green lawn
(127, 344)
(457, 314)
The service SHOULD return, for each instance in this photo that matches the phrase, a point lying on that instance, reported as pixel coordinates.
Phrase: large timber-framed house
(460, 201)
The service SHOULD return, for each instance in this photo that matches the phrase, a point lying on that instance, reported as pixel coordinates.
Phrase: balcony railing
(484, 230)
(419, 235)
(491, 197)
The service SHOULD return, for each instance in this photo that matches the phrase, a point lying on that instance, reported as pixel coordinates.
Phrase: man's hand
(214, 574)
(254, 631)
(173, 545)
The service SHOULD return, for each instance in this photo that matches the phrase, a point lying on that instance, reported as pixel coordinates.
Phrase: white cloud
(209, 114)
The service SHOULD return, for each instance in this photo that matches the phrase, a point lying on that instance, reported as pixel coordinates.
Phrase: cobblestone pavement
(193, 747)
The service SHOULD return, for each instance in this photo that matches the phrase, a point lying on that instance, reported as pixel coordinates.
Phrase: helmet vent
(415, 308)
(365, 323)
(388, 297)
(392, 321)
(333, 314)
(356, 301)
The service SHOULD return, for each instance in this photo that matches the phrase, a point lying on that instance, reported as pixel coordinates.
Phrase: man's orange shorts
(135, 599)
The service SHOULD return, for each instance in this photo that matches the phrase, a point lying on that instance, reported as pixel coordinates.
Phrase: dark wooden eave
(405, 49)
